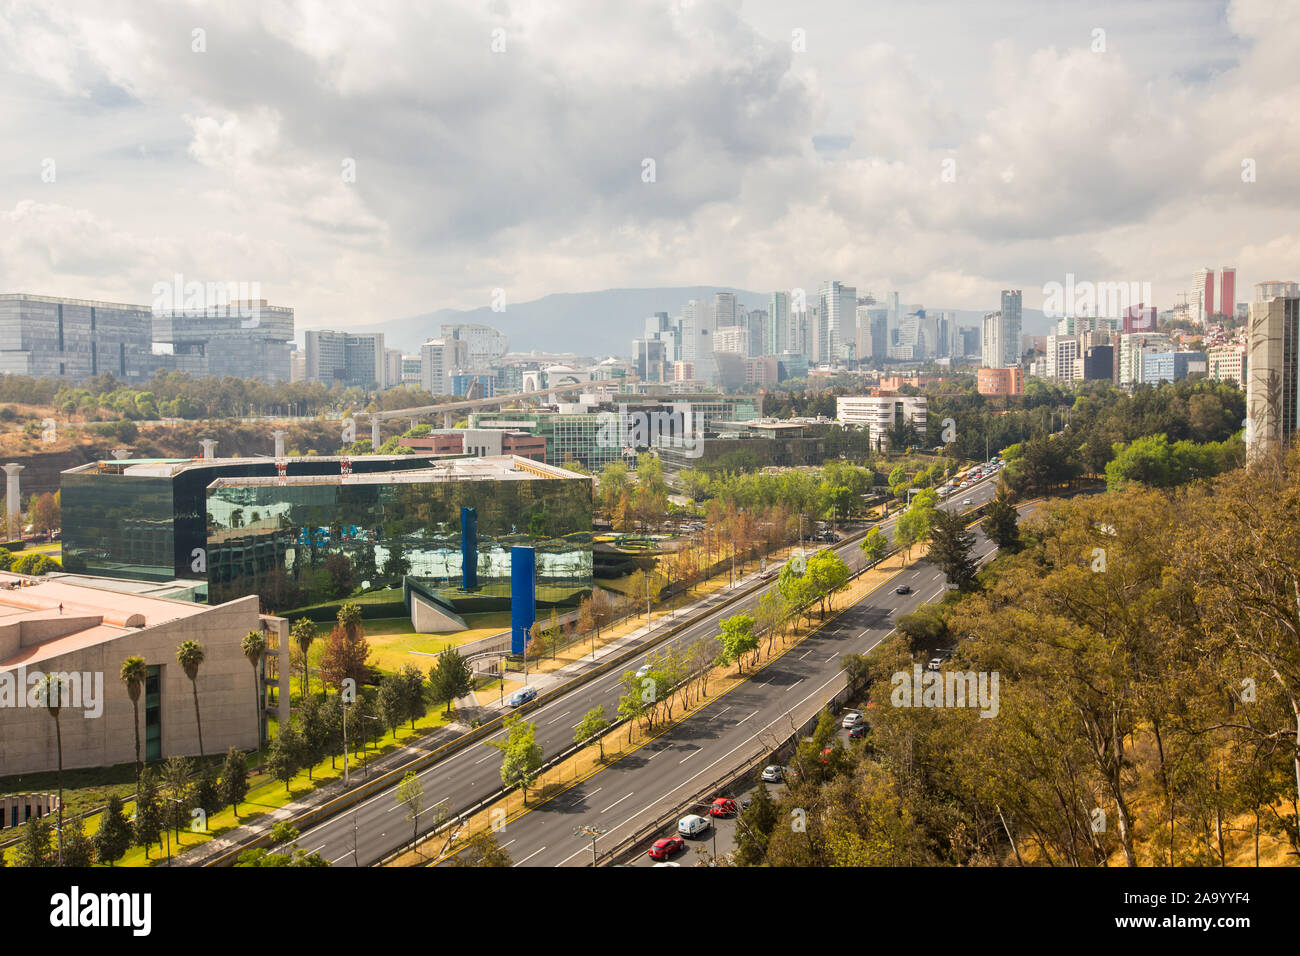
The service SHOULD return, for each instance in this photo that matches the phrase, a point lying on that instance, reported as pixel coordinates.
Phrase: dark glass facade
(306, 542)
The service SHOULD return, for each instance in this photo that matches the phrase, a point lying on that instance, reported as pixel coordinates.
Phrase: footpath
(468, 709)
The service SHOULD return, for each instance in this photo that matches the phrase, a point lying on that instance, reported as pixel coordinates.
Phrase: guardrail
(356, 795)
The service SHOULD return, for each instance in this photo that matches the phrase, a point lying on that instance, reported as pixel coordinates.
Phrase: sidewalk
(467, 709)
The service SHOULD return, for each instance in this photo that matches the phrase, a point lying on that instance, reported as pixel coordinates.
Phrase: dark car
(666, 847)
(903, 589)
(859, 730)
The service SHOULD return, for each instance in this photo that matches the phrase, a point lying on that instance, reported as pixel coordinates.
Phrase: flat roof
(171, 467)
(489, 468)
(89, 615)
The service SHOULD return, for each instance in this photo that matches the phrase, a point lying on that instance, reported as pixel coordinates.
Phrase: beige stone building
(83, 633)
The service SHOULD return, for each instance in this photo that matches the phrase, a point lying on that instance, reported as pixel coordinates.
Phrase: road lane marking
(615, 803)
(529, 857)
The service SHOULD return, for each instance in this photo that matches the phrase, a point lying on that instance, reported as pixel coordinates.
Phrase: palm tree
(190, 656)
(134, 673)
(254, 647)
(304, 633)
(52, 691)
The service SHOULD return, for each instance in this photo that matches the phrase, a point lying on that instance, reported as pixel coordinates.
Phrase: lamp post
(365, 760)
(594, 832)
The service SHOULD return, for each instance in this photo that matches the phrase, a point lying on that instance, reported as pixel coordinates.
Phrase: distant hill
(599, 324)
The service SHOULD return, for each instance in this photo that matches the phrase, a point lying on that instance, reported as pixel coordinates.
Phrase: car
(643, 670)
(663, 849)
(692, 825)
(859, 730)
(666, 863)
(723, 807)
(772, 773)
(851, 719)
(936, 663)
(522, 696)
(903, 589)
(966, 502)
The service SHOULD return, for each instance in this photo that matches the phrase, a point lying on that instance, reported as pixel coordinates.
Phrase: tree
(950, 548)
(78, 850)
(738, 639)
(347, 653)
(190, 656)
(482, 849)
(594, 724)
(113, 838)
(396, 566)
(410, 794)
(451, 677)
(1001, 522)
(313, 732)
(253, 647)
(284, 756)
(134, 673)
(522, 754)
(147, 826)
(757, 821)
(35, 848)
(392, 702)
(414, 692)
(339, 568)
(234, 780)
(829, 575)
(304, 633)
(207, 792)
(874, 546)
(912, 527)
(176, 771)
(44, 513)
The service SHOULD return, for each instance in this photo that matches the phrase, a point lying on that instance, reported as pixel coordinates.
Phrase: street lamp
(365, 759)
(595, 832)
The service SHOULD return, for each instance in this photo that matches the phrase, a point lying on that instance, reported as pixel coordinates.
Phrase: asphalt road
(378, 826)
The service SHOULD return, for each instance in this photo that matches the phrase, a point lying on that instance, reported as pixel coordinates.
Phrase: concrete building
(996, 382)
(1131, 347)
(880, 414)
(76, 339)
(84, 634)
(1227, 363)
(1273, 374)
(484, 345)
(479, 442)
(440, 360)
(350, 359)
(1170, 366)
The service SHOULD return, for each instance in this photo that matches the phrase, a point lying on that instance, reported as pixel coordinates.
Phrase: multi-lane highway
(378, 826)
(661, 776)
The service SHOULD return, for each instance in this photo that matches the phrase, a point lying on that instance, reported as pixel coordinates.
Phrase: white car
(643, 670)
(966, 501)
(772, 773)
(692, 825)
(851, 720)
(936, 663)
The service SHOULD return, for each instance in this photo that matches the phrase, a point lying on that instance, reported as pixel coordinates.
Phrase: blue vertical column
(523, 596)
(468, 549)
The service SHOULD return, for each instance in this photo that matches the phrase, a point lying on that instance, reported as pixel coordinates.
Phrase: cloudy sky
(944, 148)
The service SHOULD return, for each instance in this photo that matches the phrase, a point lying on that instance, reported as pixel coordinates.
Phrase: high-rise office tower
(778, 317)
(1201, 300)
(1227, 290)
(838, 304)
(991, 342)
(1011, 325)
(1272, 376)
(724, 309)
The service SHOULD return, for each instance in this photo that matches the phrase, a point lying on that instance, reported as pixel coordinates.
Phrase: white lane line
(614, 804)
(481, 759)
(318, 849)
(561, 717)
(529, 857)
(832, 657)
(794, 685)
(743, 719)
(805, 653)
(689, 756)
(723, 711)
(504, 845)
(343, 857)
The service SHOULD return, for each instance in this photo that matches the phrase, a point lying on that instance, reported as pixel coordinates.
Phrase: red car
(722, 807)
(666, 847)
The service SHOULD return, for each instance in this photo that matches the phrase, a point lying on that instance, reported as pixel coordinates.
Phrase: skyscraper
(778, 320)
(1227, 290)
(1201, 300)
(1011, 326)
(838, 304)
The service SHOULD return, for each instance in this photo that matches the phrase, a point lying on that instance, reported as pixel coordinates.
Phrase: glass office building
(330, 528)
